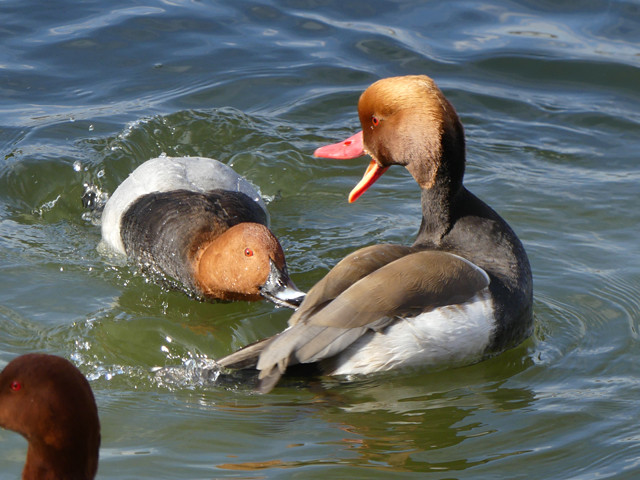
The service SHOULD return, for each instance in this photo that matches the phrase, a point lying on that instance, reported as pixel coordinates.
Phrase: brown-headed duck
(197, 221)
(460, 294)
(49, 402)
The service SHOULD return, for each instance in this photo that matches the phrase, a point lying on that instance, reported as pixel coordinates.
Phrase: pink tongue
(352, 147)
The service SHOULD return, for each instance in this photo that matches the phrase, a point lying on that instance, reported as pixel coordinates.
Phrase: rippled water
(548, 93)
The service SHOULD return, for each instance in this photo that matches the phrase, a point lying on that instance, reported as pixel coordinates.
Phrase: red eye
(375, 121)
(15, 386)
(248, 252)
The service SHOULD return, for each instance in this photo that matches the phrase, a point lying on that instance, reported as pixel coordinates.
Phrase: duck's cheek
(251, 275)
(13, 413)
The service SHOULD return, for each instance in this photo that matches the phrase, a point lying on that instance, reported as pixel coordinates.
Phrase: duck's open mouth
(353, 147)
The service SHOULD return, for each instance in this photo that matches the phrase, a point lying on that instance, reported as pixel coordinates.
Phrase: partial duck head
(406, 121)
(246, 263)
(48, 401)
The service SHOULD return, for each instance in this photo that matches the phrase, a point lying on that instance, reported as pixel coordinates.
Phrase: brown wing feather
(350, 269)
(420, 281)
(412, 284)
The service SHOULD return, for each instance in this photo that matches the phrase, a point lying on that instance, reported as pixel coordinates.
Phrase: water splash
(93, 199)
(196, 371)
(46, 206)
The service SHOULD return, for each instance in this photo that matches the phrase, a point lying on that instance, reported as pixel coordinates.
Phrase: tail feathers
(270, 375)
(246, 357)
(268, 380)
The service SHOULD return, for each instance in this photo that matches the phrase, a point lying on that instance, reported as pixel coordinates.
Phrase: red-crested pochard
(49, 402)
(460, 294)
(197, 221)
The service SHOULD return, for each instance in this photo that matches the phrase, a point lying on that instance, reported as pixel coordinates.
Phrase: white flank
(164, 174)
(449, 336)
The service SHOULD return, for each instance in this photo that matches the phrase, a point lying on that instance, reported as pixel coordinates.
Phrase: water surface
(548, 94)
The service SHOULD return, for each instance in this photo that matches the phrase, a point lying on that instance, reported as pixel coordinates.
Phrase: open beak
(353, 147)
(280, 289)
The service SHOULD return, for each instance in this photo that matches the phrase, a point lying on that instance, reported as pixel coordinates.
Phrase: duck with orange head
(461, 293)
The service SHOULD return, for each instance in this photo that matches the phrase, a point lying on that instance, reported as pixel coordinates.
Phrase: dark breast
(484, 238)
(162, 231)
(492, 245)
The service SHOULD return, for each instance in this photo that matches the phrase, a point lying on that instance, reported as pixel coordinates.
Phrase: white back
(164, 174)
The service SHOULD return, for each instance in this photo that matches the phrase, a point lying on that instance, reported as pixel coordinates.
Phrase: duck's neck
(437, 204)
(51, 464)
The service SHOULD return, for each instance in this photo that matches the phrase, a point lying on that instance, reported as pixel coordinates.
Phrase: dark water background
(549, 95)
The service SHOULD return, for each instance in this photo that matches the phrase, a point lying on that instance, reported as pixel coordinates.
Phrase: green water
(549, 98)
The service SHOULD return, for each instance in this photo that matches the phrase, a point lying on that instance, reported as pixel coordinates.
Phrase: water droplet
(77, 166)
(72, 119)
(91, 128)
(100, 174)
(61, 269)
(162, 155)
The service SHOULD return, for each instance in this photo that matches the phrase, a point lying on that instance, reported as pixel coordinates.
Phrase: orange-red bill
(352, 147)
(373, 173)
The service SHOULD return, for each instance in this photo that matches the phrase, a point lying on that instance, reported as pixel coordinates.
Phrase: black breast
(161, 231)
(476, 232)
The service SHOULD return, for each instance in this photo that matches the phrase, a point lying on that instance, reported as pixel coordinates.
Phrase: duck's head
(405, 121)
(48, 401)
(247, 263)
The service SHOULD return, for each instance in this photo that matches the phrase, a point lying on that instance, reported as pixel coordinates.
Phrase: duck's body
(48, 401)
(166, 175)
(445, 337)
(463, 290)
(199, 222)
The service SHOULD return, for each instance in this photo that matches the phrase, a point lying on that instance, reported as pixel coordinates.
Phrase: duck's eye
(375, 121)
(248, 252)
(15, 386)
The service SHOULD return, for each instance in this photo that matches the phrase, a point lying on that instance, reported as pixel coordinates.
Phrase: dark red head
(47, 400)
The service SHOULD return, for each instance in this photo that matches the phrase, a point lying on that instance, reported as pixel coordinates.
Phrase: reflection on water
(406, 423)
